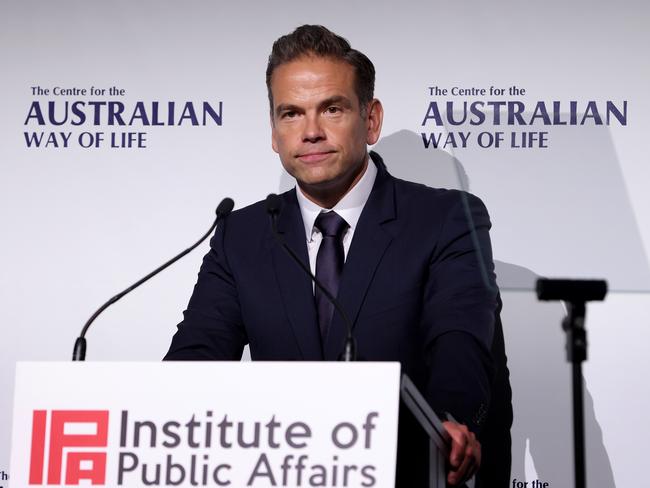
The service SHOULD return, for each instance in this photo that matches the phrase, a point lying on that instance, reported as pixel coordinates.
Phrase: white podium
(196, 424)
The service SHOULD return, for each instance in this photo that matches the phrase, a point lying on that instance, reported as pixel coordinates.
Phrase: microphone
(571, 290)
(273, 208)
(79, 351)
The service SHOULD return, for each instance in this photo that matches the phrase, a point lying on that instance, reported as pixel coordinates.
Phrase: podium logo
(72, 448)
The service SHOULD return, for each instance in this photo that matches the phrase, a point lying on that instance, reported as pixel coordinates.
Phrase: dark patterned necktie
(329, 264)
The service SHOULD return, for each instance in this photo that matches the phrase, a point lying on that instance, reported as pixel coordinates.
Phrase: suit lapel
(295, 286)
(369, 243)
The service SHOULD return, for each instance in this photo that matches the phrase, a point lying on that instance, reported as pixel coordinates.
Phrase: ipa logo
(71, 447)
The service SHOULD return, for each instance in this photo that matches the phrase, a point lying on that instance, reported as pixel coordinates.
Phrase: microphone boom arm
(79, 351)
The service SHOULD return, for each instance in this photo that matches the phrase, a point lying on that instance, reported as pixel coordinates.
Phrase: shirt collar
(349, 207)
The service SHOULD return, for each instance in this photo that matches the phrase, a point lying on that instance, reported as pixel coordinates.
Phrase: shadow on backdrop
(565, 208)
(539, 374)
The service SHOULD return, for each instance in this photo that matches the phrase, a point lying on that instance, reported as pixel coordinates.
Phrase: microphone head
(225, 207)
(273, 204)
(571, 290)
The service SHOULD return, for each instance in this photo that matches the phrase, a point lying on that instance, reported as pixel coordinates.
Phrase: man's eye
(289, 115)
(333, 109)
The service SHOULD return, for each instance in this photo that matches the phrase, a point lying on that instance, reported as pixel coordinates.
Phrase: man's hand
(464, 455)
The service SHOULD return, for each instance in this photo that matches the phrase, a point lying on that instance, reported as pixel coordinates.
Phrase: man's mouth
(314, 156)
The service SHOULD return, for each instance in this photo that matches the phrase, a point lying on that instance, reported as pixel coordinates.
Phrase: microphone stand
(273, 207)
(576, 348)
(79, 351)
(575, 293)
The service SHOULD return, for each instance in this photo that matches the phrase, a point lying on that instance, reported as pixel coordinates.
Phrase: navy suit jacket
(418, 285)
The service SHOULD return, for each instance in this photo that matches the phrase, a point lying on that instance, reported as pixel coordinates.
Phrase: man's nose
(312, 129)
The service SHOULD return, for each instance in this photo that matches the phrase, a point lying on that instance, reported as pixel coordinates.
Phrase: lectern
(189, 424)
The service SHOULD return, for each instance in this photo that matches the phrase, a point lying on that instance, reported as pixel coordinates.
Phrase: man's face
(318, 128)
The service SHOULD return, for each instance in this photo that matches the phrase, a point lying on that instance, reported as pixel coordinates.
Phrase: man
(400, 256)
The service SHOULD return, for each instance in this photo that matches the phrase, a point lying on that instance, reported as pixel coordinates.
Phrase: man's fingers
(467, 468)
(460, 473)
(458, 447)
(459, 438)
(464, 455)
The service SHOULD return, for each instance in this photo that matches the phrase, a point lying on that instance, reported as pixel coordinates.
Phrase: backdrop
(124, 123)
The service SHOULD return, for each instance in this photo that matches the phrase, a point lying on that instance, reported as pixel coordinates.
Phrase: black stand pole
(576, 348)
(575, 293)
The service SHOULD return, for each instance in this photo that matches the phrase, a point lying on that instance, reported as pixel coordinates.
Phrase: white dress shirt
(349, 208)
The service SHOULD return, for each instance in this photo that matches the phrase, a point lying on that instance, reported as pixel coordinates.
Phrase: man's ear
(375, 118)
(274, 143)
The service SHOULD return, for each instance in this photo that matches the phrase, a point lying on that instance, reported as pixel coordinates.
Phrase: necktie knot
(331, 224)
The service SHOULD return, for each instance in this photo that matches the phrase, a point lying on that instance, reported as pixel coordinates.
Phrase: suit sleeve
(212, 328)
(459, 314)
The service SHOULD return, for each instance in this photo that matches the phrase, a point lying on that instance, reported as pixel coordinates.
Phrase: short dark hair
(316, 40)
